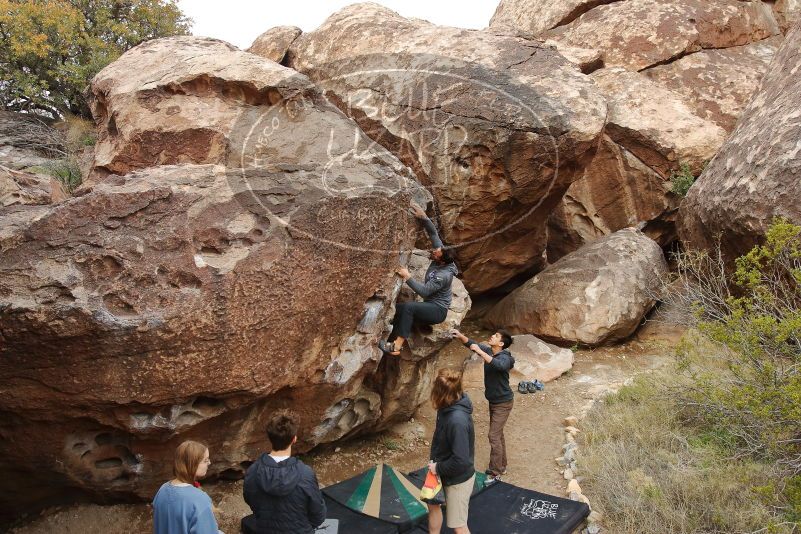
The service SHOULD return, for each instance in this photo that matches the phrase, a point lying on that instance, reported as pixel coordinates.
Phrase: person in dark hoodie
(281, 490)
(435, 290)
(498, 361)
(452, 451)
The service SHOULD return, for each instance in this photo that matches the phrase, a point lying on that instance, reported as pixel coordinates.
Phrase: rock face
(535, 358)
(495, 127)
(274, 43)
(649, 132)
(529, 18)
(717, 84)
(598, 294)
(699, 62)
(618, 190)
(18, 187)
(174, 101)
(637, 34)
(756, 176)
(788, 13)
(190, 299)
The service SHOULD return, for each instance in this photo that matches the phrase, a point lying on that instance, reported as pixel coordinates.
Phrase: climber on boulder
(435, 290)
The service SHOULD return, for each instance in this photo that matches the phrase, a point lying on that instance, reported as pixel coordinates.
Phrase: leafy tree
(50, 49)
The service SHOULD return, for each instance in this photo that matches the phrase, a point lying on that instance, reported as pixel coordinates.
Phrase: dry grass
(650, 474)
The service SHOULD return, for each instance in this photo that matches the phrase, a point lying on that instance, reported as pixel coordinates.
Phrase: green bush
(744, 366)
(682, 180)
(64, 170)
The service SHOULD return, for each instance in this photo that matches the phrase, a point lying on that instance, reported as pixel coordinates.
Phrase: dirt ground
(534, 437)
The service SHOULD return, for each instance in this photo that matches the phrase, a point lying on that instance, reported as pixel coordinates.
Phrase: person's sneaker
(491, 479)
(387, 347)
(532, 387)
(539, 385)
(522, 387)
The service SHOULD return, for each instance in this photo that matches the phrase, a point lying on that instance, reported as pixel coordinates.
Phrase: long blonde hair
(188, 456)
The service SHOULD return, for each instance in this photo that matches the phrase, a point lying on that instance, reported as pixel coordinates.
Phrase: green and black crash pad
(383, 493)
(502, 507)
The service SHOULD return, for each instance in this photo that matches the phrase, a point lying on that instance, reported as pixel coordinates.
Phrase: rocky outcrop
(755, 175)
(717, 84)
(650, 131)
(598, 294)
(618, 190)
(177, 100)
(18, 187)
(788, 13)
(699, 63)
(495, 127)
(274, 43)
(190, 300)
(637, 34)
(529, 18)
(536, 359)
(655, 124)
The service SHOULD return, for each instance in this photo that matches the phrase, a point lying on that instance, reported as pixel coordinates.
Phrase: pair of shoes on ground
(530, 387)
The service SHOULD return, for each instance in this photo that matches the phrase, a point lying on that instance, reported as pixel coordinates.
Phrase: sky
(240, 21)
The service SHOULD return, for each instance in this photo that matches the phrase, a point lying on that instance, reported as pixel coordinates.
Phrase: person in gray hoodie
(435, 290)
(281, 490)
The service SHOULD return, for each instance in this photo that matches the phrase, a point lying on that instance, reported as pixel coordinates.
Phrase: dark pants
(499, 413)
(407, 313)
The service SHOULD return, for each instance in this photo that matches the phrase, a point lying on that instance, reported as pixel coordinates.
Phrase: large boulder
(597, 294)
(177, 100)
(717, 84)
(756, 175)
(638, 34)
(274, 43)
(536, 359)
(650, 133)
(190, 300)
(496, 127)
(19, 187)
(788, 13)
(529, 18)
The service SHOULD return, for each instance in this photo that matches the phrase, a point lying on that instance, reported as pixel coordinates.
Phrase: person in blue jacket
(435, 290)
(180, 506)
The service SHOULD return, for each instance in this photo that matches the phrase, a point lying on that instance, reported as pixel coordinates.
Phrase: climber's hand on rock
(403, 272)
(417, 211)
(474, 347)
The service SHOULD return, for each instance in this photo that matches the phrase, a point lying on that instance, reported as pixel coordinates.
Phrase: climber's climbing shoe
(388, 348)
